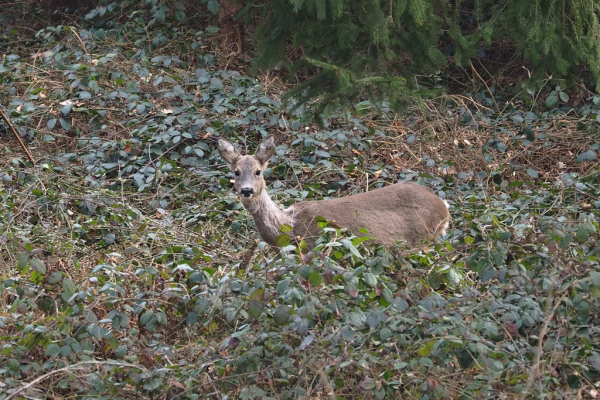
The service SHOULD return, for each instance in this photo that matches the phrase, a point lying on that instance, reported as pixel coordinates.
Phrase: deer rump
(403, 211)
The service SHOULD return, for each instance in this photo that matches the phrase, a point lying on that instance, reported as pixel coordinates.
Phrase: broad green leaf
(282, 286)
(563, 97)
(38, 266)
(453, 277)
(161, 317)
(191, 319)
(282, 314)
(179, 16)
(257, 295)
(109, 238)
(348, 244)
(146, 317)
(69, 286)
(315, 278)
(55, 277)
(595, 278)
(434, 280)
(255, 308)
(425, 349)
(582, 234)
(504, 236)
(52, 349)
(14, 365)
(529, 133)
(348, 333)
(213, 6)
(385, 333)
(566, 241)
(22, 260)
(370, 279)
(587, 155)
(488, 274)
(497, 179)
(286, 228)
(304, 271)
(130, 250)
(400, 304)
(65, 124)
(552, 99)
(282, 240)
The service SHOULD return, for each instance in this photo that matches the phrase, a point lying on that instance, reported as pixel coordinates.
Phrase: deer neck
(267, 215)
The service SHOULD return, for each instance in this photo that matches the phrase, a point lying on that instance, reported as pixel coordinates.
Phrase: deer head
(248, 170)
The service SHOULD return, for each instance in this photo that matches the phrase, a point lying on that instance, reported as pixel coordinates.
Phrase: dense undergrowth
(129, 269)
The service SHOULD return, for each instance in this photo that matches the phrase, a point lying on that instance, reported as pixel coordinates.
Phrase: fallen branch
(5, 118)
(535, 370)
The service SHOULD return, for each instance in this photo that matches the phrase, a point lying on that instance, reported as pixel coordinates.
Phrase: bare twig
(79, 365)
(80, 41)
(5, 118)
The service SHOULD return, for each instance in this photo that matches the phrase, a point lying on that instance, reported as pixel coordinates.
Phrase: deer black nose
(247, 192)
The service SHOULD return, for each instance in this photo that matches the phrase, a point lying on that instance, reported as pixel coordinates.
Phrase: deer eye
(258, 172)
(237, 173)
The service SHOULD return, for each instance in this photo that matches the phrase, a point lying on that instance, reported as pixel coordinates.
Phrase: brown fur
(403, 211)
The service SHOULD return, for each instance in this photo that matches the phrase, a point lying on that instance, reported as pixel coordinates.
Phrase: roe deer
(402, 211)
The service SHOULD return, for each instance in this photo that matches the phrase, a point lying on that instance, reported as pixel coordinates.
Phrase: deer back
(403, 211)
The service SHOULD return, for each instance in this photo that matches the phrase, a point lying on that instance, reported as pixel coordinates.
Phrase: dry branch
(5, 118)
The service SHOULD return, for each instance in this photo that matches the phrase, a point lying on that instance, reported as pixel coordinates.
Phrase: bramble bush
(128, 268)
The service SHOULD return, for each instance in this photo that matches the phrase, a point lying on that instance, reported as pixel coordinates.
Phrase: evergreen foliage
(377, 49)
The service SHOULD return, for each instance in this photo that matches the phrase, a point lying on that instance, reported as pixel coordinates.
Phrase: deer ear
(228, 152)
(265, 150)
